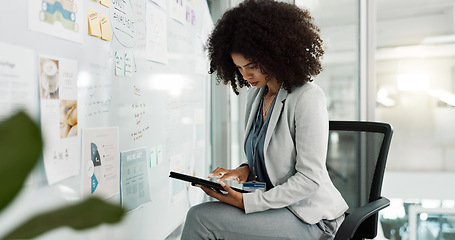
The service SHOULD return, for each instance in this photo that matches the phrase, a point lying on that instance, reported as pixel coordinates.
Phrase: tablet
(200, 181)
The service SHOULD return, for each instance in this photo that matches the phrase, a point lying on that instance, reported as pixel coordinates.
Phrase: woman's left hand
(232, 197)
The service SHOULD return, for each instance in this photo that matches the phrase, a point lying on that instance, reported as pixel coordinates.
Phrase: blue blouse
(254, 146)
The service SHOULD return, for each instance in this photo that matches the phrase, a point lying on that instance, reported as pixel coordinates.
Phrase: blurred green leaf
(87, 214)
(20, 149)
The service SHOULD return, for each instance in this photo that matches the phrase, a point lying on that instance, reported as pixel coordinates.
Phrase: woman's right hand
(239, 174)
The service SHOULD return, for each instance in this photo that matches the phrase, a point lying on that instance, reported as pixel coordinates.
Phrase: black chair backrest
(357, 167)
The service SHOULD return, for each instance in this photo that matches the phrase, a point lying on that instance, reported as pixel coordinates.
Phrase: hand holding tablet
(200, 181)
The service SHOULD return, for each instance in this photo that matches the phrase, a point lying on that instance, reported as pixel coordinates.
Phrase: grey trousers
(216, 220)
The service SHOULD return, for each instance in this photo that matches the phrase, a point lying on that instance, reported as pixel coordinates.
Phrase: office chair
(358, 151)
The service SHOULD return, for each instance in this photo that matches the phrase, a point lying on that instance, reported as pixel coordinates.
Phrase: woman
(275, 48)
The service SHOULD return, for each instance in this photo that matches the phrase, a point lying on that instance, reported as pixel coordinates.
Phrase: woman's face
(251, 72)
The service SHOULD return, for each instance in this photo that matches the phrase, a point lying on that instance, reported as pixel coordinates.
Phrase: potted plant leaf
(18, 131)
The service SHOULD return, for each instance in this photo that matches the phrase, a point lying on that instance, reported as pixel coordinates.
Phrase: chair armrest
(354, 219)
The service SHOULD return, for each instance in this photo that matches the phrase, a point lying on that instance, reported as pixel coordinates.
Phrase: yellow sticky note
(106, 33)
(93, 23)
(106, 3)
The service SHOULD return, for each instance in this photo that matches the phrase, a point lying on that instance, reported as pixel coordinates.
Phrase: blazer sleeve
(309, 113)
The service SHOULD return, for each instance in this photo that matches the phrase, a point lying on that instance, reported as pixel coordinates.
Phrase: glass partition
(339, 23)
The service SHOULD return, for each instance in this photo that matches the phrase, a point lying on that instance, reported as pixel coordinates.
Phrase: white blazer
(295, 150)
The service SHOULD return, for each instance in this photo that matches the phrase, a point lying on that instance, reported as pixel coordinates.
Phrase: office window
(415, 72)
(415, 92)
(338, 21)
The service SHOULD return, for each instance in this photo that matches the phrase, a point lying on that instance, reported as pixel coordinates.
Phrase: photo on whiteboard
(49, 78)
(58, 18)
(63, 11)
(68, 118)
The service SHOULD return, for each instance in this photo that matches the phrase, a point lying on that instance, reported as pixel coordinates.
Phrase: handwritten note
(124, 23)
(139, 113)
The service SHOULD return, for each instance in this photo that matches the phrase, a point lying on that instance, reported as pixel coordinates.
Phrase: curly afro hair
(280, 37)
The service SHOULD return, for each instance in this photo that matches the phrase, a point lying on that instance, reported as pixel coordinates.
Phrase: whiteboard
(150, 81)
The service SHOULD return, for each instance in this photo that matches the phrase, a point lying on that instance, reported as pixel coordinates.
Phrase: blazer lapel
(277, 109)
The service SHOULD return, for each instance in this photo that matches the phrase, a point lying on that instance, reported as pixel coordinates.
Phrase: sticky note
(119, 64)
(106, 33)
(128, 65)
(93, 23)
(159, 154)
(106, 3)
(153, 157)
